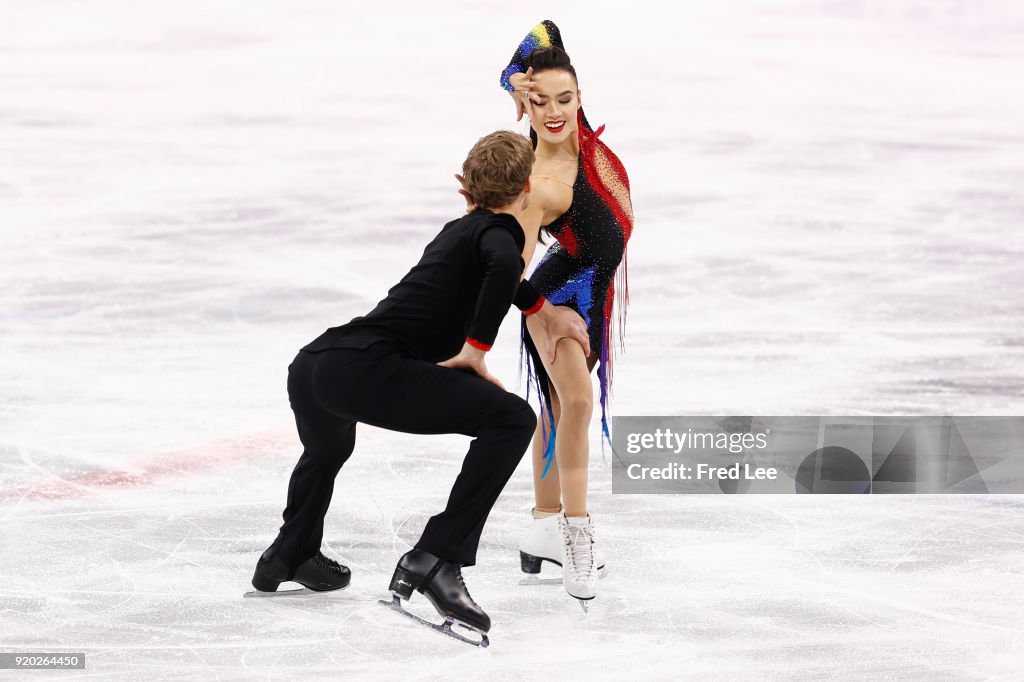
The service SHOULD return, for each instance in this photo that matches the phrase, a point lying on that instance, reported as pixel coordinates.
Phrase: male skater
(416, 364)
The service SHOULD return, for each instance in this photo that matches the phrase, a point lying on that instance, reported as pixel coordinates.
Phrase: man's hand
(471, 359)
(562, 322)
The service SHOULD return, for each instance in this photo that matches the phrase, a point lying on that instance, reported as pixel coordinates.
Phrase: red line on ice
(155, 469)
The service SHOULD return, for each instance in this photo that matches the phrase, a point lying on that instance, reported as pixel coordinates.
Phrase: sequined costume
(580, 270)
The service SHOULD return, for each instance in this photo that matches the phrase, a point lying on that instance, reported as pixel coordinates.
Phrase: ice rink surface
(828, 221)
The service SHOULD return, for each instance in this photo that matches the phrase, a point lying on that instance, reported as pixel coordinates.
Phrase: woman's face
(555, 101)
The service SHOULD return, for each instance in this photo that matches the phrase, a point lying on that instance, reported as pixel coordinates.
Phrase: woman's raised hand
(522, 90)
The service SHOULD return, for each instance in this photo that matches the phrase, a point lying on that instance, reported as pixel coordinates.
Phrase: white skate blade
(534, 579)
(602, 570)
(444, 628)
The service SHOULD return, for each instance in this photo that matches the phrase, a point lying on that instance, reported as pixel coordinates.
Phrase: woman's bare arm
(531, 219)
(559, 322)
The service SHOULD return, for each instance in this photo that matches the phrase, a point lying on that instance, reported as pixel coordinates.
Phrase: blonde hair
(497, 168)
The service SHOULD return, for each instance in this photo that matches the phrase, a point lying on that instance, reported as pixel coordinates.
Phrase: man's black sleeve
(502, 266)
(527, 297)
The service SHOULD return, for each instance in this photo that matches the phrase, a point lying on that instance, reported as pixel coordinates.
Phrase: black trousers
(330, 391)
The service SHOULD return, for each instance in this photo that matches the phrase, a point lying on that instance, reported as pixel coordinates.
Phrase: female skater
(580, 197)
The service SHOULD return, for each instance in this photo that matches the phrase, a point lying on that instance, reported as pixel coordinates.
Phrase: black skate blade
(444, 628)
(303, 592)
(260, 594)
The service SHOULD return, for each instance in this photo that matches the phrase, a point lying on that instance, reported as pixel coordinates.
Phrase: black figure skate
(318, 574)
(441, 582)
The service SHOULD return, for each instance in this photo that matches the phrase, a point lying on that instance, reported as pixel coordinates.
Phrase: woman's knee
(577, 404)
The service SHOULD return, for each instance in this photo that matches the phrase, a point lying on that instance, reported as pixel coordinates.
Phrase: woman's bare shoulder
(552, 194)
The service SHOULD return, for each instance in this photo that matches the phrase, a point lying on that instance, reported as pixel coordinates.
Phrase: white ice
(828, 221)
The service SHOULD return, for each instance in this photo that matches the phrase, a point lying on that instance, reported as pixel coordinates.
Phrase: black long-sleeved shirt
(459, 291)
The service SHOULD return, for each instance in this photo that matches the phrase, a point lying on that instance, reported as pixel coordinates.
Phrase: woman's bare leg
(570, 377)
(547, 491)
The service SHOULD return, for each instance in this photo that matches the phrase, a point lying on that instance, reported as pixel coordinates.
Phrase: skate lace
(327, 564)
(458, 575)
(580, 540)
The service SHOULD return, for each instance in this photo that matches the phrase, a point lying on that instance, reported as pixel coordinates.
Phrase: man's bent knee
(528, 417)
(518, 414)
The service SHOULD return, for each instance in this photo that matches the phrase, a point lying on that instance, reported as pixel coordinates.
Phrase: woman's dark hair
(550, 58)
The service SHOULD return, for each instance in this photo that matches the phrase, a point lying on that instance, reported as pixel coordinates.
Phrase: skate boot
(318, 574)
(543, 542)
(579, 568)
(441, 582)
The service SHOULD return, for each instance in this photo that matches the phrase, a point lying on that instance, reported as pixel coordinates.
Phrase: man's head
(497, 169)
